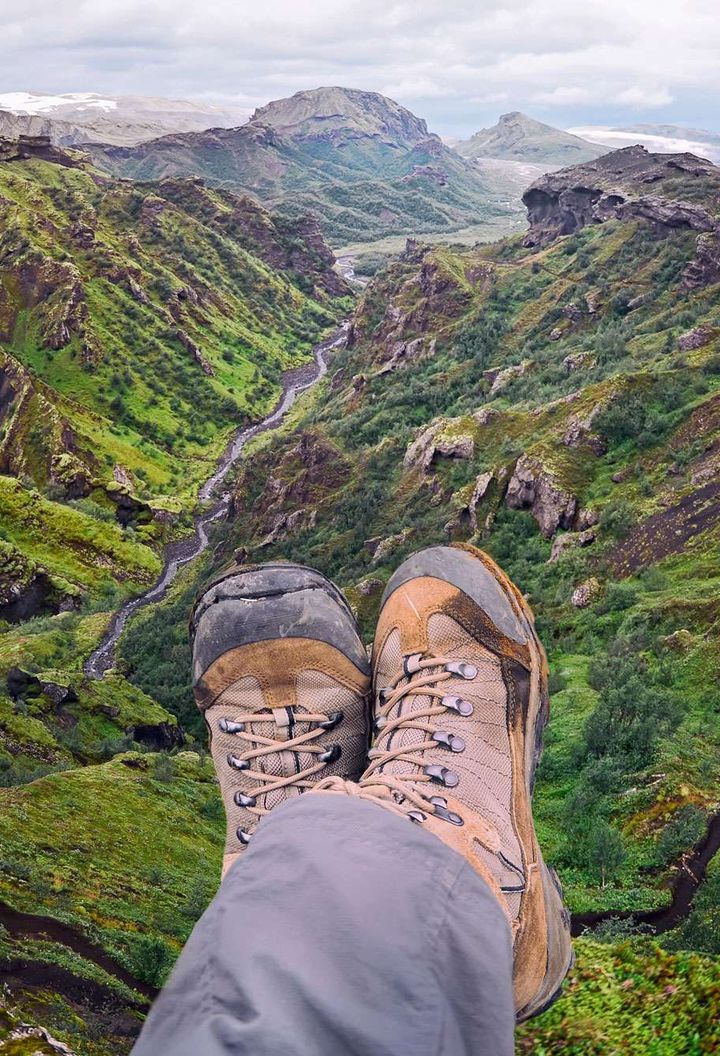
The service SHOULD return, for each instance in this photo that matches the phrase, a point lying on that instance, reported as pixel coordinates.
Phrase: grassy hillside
(139, 326)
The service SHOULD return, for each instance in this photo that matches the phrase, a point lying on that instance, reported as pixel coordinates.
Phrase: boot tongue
(281, 725)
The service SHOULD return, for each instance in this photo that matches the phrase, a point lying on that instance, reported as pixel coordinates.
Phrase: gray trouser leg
(343, 930)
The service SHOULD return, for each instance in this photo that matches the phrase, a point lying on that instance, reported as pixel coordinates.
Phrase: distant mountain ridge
(517, 137)
(78, 117)
(365, 165)
(666, 139)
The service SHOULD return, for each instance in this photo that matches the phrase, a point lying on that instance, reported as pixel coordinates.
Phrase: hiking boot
(283, 679)
(460, 682)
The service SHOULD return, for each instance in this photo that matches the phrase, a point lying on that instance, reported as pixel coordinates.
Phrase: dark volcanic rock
(26, 589)
(704, 270)
(159, 736)
(616, 186)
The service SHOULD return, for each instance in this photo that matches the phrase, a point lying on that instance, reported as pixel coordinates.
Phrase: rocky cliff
(673, 190)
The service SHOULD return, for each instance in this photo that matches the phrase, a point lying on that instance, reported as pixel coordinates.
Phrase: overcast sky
(459, 63)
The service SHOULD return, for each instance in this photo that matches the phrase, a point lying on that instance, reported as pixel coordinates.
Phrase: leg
(342, 930)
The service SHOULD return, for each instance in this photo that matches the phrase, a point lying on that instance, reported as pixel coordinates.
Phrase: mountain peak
(333, 112)
(517, 137)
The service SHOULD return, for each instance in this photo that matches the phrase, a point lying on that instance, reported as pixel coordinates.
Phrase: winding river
(187, 549)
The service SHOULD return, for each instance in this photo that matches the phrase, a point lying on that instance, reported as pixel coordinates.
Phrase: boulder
(586, 593)
(579, 432)
(577, 360)
(480, 490)
(573, 312)
(586, 518)
(571, 540)
(695, 338)
(404, 352)
(379, 548)
(500, 378)
(431, 441)
(704, 268)
(533, 487)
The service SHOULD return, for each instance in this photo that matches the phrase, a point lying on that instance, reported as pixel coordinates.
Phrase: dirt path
(30, 926)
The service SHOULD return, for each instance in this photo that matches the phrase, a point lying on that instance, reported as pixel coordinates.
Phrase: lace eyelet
(229, 726)
(448, 815)
(441, 811)
(463, 669)
(442, 776)
(237, 763)
(331, 755)
(243, 837)
(333, 720)
(411, 664)
(380, 722)
(244, 801)
(451, 741)
(462, 707)
(384, 695)
(417, 816)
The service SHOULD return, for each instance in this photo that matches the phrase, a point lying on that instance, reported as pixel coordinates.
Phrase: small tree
(153, 959)
(605, 851)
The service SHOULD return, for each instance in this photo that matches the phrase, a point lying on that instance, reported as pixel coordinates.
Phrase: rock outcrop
(438, 440)
(586, 593)
(533, 487)
(500, 378)
(615, 187)
(571, 541)
(695, 338)
(27, 589)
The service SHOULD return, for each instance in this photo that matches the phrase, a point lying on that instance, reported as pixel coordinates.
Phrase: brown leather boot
(461, 701)
(283, 679)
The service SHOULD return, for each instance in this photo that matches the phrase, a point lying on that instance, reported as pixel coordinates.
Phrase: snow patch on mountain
(38, 103)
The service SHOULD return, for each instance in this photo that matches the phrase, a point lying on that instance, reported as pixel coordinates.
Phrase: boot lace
(412, 795)
(259, 746)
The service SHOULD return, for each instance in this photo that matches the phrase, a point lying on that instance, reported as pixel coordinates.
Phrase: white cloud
(461, 60)
(564, 96)
(643, 98)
